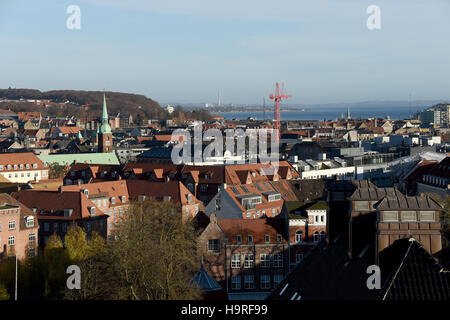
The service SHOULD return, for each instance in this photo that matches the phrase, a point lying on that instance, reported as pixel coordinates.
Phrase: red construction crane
(277, 97)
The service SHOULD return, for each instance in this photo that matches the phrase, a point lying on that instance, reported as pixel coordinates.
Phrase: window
(298, 257)
(1, 167)
(203, 188)
(239, 239)
(213, 245)
(361, 205)
(249, 261)
(12, 225)
(46, 226)
(113, 200)
(29, 221)
(267, 238)
(409, 216)
(277, 278)
(236, 282)
(249, 282)
(390, 216)
(250, 239)
(278, 260)
(92, 210)
(235, 261)
(279, 238)
(321, 218)
(322, 235)
(31, 251)
(264, 260)
(11, 240)
(64, 227)
(316, 237)
(32, 237)
(424, 216)
(265, 281)
(298, 236)
(35, 165)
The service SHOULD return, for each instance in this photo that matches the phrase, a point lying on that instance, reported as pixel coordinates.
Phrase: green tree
(76, 243)
(56, 261)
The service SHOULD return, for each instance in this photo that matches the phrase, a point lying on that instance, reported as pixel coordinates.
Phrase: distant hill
(125, 103)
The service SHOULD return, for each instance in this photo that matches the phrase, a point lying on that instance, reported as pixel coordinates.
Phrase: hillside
(125, 103)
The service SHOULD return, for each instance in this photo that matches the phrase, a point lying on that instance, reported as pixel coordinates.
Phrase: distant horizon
(359, 104)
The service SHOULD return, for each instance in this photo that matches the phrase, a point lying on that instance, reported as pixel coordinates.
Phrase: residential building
(22, 167)
(18, 229)
(248, 258)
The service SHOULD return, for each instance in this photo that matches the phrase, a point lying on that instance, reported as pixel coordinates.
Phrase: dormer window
(142, 197)
(123, 199)
(86, 192)
(21, 166)
(8, 167)
(29, 221)
(68, 212)
(92, 211)
(27, 166)
(167, 198)
(15, 167)
(189, 197)
(35, 165)
(1, 167)
(113, 200)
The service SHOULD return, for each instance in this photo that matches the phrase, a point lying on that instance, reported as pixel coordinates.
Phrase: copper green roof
(92, 158)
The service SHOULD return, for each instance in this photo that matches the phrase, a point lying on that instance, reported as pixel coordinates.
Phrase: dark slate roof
(205, 281)
(401, 201)
(157, 152)
(418, 276)
(326, 273)
(349, 185)
(375, 193)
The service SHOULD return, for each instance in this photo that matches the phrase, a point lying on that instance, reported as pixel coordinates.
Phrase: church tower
(105, 142)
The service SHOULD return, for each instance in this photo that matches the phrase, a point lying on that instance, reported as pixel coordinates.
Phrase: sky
(186, 51)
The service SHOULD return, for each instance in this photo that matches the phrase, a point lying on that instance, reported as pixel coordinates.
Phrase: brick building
(248, 258)
(18, 228)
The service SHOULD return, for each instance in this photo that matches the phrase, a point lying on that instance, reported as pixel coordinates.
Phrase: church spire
(105, 128)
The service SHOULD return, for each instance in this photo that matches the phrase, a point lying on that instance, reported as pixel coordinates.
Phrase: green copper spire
(105, 128)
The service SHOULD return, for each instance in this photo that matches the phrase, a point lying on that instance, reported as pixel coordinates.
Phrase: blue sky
(185, 51)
